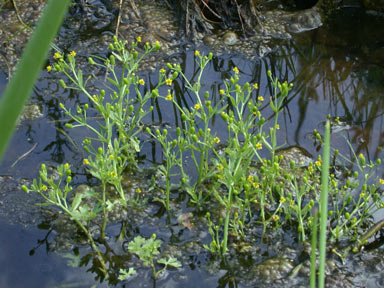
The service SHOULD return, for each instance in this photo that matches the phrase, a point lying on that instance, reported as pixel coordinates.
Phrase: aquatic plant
(147, 250)
(237, 180)
(121, 112)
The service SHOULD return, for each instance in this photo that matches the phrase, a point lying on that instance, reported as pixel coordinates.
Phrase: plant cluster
(230, 173)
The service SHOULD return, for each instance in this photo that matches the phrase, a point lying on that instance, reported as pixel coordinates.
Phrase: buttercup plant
(231, 174)
(113, 148)
(121, 112)
(78, 210)
(147, 250)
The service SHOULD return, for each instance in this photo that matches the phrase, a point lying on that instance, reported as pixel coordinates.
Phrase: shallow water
(338, 73)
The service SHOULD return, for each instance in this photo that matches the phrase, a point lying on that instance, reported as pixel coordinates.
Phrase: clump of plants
(230, 173)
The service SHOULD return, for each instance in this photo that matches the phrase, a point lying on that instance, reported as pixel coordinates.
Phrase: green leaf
(80, 77)
(171, 261)
(76, 201)
(124, 274)
(135, 245)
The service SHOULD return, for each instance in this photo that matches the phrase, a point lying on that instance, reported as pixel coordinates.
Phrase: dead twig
(24, 155)
(211, 10)
(240, 17)
(118, 19)
(135, 8)
(18, 14)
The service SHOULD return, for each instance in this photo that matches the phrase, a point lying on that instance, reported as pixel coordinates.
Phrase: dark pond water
(336, 70)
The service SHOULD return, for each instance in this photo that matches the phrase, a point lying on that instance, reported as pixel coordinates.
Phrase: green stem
(324, 205)
(226, 223)
(312, 281)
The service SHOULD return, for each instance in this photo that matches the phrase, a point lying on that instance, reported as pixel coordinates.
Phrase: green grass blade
(324, 205)
(18, 90)
(312, 281)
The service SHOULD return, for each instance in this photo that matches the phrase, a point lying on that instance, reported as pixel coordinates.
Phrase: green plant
(111, 151)
(229, 166)
(147, 249)
(121, 112)
(18, 90)
(53, 192)
(172, 159)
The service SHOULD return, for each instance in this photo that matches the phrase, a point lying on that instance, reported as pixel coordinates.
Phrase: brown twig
(210, 9)
(24, 155)
(241, 19)
(187, 19)
(18, 14)
(135, 8)
(118, 19)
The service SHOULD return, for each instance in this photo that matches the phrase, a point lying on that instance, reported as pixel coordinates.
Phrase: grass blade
(18, 90)
(324, 205)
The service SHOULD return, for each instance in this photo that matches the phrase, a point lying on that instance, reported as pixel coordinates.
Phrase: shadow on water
(336, 70)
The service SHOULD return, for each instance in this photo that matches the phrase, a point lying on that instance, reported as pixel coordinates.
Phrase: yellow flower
(318, 163)
(49, 68)
(256, 86)
(259, 146)
(138, 39)
(162, 70)
(197, 106)
(277, 127)
(57, 55)
(362, 195)
(85, 161)
(169, 97)
(260, 98)
(275, 218)
(138, 190)
(113, 174)
(217, 140)
(282, 199)
(221, 91)
(381, 181)
(361, 155)
(197, 53)
(141, 82)
(73, 53)
(220, 167)
(111, 157)
(44, 188)
(236, 70)
(168, 81)
(156, 44)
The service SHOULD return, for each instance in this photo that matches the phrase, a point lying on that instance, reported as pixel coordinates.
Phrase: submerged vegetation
(238, 179)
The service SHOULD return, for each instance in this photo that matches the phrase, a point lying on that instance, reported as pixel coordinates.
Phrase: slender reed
(20, 87)
(312, 281)
(324, 205)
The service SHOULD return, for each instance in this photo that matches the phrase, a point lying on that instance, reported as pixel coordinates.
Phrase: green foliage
(147, 249)
(232, 175)
(121, 113)
(124, 274)
(18, 90)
